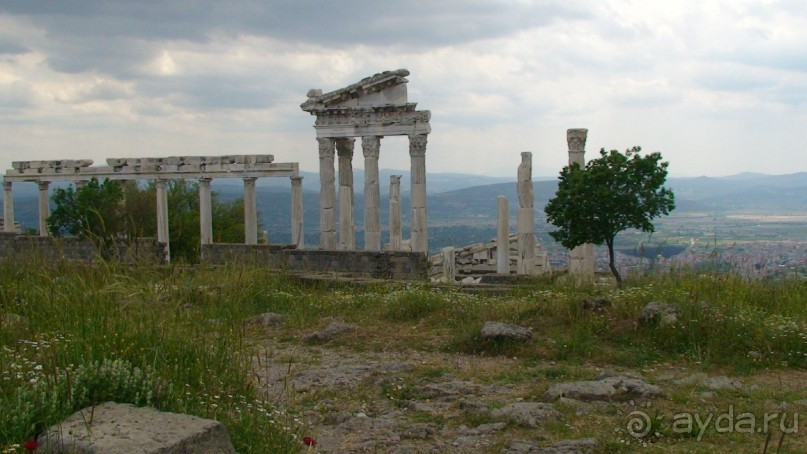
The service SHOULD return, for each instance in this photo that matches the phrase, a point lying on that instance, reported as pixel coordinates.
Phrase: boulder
(610, 388)
(598, 304)
(332, 331)
(658, 313)
(113, 428)
(498, 331)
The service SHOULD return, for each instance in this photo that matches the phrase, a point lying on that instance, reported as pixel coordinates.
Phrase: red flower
(309, 441)
(30, 445)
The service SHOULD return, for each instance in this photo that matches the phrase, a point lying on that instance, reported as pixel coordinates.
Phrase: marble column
(8, 208)
(581, 258)
(370, 146)
(347, 228)
(250, 212)
(44, 207)
(417, 156)
(297, 235)
(525, 263)
(205, 211)
(395, 227)
(503, 237)
(327, 195)
(162, 217)
(450, 264)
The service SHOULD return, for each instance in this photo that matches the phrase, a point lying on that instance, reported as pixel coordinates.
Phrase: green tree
(612, 193)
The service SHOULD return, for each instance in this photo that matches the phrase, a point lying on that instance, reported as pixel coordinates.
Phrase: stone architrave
(44, 207)
(327, 194)
(395, 226)
(581, 258)
(417, 155)
(503, 237)
(371, 146)
(450, 264)
(297, 234)
(162, 218)
(8, 207)
(347, 228)
(525, 263)
(250, 212)
(205, 212)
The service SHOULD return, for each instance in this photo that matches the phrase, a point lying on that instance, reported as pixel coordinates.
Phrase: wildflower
(30, 445)
(309, 441)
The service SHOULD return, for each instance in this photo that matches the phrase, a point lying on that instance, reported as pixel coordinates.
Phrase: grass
(174, 337)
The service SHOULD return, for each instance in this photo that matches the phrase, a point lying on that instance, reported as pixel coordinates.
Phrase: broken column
(297, 236)
(205, 212)
(44, 207)
(8, 207)
(503, 238)
(162, 217)
(370, 146)
(347, 229)
(327, 195)
(417, 155)
(250, 212)
(582, 257)
(450, 264)
(525, 263)
(395, 227)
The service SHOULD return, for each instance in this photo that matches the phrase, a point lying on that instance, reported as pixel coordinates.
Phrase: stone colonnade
(161, 170)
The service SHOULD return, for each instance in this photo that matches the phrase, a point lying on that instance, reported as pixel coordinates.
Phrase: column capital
(576, 139)
(250, 179)
(205, 180)
(7, 185)
(417, 144)
(395, 179)
(344, 147)
(296, 178)
(43, 185)
(371, 146)
(159, 183)
(326, 147)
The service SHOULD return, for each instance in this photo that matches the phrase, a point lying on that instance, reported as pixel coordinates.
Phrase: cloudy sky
(718, 86)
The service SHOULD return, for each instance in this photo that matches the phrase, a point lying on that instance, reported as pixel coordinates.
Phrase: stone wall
(385, 265)
(145, 250)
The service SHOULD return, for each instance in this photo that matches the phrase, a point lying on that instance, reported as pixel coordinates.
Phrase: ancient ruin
(581, 259)
(372, 108)
(160, 170)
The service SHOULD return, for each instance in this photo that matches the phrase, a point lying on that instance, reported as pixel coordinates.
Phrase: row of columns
(346, 239)
(8, 207)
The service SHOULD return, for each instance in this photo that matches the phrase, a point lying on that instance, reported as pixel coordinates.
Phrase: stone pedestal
(525, 263)
(297, 234)
(8, 207)
(372, 193)
(44, 207)
(250, 212)
(450, 264)
(162, 217)
(581, 258)
(395, 226)
(327, 195)
(205, 212)
(347, 228)
(503, 237)
(417, 155)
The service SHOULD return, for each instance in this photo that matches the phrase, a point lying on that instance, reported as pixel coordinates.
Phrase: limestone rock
(528, 414)
(610, 388)
(598, 304)
(266, 320)
(581, 446)
(714, 383)
(332, 331)
(113, 428)
(659, 313)
(498, 331)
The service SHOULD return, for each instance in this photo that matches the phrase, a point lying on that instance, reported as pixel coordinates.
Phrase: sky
(717, 86)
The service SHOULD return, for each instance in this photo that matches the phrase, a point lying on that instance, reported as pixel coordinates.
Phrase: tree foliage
(612, 193)
(124, 210)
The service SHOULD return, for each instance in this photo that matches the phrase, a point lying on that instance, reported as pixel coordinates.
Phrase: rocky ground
(367, 389)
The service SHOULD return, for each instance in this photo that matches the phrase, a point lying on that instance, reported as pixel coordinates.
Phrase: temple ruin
(372, 108)
(160, 170)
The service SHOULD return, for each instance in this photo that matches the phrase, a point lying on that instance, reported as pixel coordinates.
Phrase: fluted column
(8, 207)
(347, 228)
(371, 146)
(503, 237)
(297, 236)
(525, 263)
(250, 212)
(44, 207)
(582, 257)
(327, 195)
(162, 217)
(395, 227)
(205, 211)
(417, 156)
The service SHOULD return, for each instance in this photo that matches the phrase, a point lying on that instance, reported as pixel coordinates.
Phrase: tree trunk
(611, 264)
